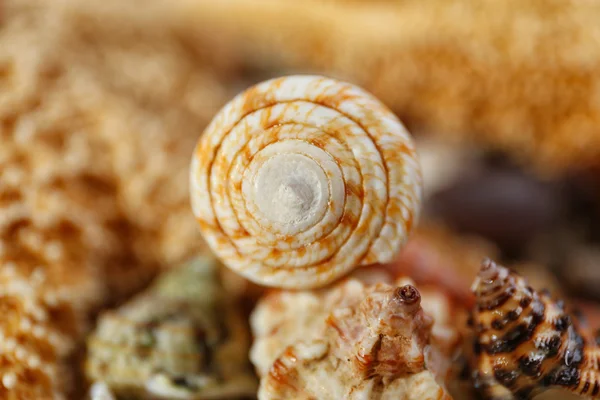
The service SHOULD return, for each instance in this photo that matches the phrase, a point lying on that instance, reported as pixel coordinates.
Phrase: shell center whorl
(288, 187)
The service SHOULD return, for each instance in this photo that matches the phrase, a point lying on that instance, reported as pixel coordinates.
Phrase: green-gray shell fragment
(180, 339)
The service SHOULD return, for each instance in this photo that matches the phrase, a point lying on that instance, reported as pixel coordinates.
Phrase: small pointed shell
(526, 342)
(300, 179)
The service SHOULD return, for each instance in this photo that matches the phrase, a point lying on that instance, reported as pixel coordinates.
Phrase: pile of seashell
(312, 187)
(101, 102)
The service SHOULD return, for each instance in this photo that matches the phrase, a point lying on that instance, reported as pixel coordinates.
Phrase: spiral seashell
(300, 179)
(526, 343)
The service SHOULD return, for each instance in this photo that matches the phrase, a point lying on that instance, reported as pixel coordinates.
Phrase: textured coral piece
(181, 338)
(146, 95)
(96, 100)
(48, 280)
(356, 339)
(100, 104)
(149, 94)
(300, 179)
(37, 328)
(525, 342)
(511, 75)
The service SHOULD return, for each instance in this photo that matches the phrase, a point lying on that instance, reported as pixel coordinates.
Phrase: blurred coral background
(102, 101)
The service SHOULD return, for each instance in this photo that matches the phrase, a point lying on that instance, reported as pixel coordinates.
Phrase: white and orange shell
(354, 340)
(300, 179)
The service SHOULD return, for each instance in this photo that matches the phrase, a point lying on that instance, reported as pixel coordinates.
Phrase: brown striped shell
(525, 342)
(300, 179)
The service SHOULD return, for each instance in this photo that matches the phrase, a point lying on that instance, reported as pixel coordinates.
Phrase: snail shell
(300, 179)
(525, 342)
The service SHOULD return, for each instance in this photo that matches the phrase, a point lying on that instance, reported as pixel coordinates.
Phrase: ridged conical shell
(526, 342)
(300, 179)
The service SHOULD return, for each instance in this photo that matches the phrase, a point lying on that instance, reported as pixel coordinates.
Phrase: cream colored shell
(361, 338)
(300, 179)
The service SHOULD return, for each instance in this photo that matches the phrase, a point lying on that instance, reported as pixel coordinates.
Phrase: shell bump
(300, 179)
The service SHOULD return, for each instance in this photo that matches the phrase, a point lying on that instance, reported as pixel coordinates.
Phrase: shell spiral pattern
(300, 179)
(525, 342)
